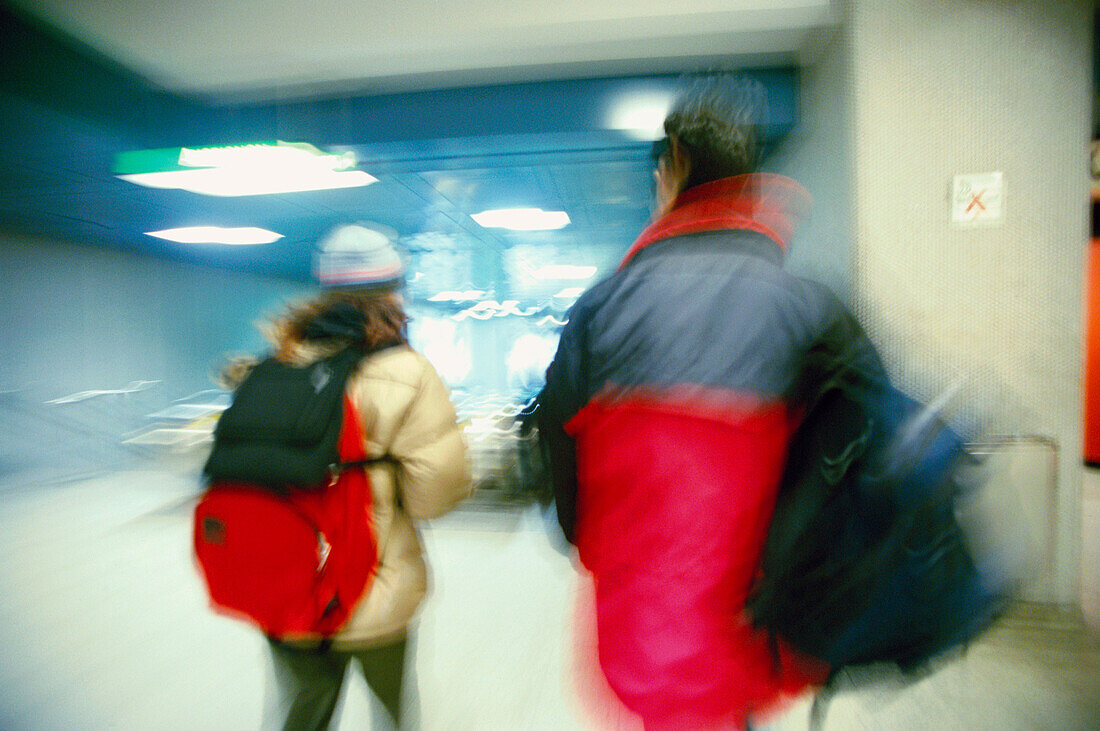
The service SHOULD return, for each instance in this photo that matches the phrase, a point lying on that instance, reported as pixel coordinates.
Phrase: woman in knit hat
(407, 417)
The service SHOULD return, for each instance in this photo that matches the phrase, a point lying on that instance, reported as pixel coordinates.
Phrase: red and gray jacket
(667, 410)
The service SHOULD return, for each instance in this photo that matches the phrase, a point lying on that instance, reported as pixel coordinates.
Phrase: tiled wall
(947, 87)
(903, 97)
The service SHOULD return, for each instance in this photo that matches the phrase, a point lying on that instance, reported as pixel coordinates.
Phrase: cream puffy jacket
(406, 415)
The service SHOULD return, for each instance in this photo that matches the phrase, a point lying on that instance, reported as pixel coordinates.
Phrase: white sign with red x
(977, 198)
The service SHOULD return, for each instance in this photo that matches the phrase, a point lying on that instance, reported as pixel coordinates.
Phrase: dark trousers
(308, 682)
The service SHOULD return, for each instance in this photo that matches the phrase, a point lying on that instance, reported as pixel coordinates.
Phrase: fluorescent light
(570, 293)
(456, 296)
(640, 115)
(228, 182)
(262, 154)
(491, 308)
(522, 219)
(217, 235)
(564, 271)
(256, 169)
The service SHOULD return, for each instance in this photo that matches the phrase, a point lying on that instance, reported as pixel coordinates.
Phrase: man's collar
(763, 202)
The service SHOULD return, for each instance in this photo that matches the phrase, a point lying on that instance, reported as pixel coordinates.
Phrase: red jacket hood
(763, 202)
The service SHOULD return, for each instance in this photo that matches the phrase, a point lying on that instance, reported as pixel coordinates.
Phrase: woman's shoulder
(400, 364)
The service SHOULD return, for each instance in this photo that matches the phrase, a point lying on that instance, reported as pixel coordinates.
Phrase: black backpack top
(289, 440)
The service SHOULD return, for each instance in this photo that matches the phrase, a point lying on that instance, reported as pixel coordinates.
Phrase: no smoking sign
(977, 199)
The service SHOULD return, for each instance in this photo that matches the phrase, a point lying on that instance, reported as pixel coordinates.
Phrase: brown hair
(382, 315)
(718, 119)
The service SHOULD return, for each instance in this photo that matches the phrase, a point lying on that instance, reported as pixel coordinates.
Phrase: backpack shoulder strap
(351, 449)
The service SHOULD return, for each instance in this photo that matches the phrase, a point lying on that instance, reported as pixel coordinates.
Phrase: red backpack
(291, 558)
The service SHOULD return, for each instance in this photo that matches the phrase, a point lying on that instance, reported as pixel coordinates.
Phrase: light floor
(103, 625)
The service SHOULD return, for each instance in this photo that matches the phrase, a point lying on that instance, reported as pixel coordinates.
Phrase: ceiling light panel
(522, 219)
(244, 235)
(237, 170)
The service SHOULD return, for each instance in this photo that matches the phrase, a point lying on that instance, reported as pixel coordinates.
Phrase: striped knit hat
(354, 256)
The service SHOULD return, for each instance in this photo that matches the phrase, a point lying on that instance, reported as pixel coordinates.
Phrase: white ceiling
(222, 49)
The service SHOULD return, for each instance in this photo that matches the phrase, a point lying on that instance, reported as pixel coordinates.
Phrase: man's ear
(679, 163)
